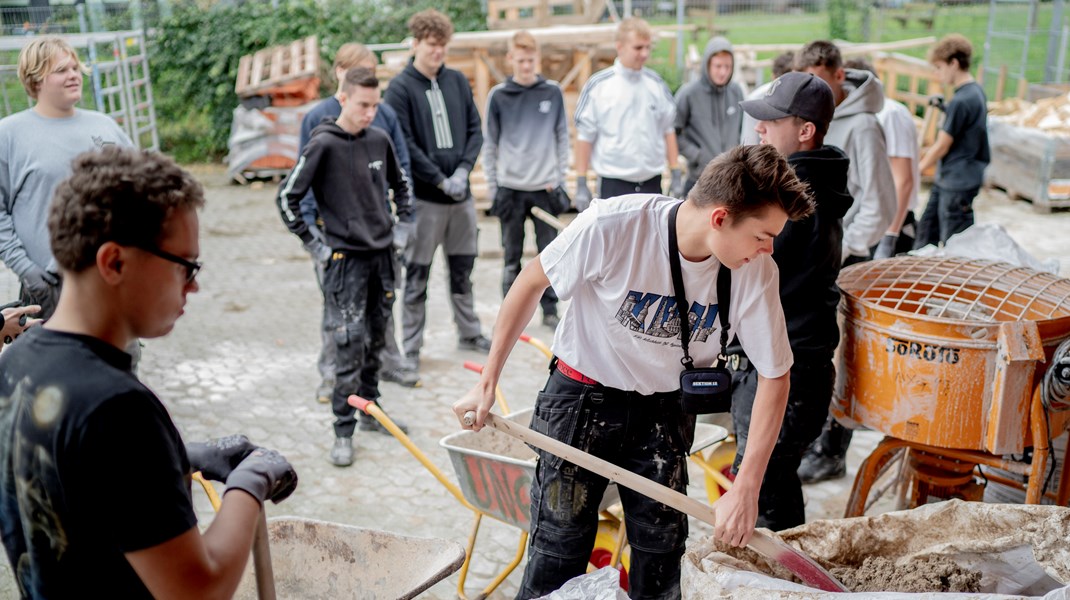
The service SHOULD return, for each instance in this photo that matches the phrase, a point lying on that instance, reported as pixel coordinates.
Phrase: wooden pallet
(286, 68)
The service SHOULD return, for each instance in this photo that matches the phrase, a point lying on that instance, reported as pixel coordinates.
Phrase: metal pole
(680, 37)
(1061, 67)
(627, 9)
(83, 25)
(1053, 39)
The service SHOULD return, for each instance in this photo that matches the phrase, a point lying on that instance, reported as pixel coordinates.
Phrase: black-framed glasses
(192, 266)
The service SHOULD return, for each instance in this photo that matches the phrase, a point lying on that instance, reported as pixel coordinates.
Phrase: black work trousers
(358, 291)
(648, 435)
(780, 501)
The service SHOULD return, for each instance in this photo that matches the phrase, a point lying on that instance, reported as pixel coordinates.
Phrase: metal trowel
(796, 561)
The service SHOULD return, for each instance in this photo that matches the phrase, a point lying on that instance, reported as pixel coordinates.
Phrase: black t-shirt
(91, 467)
(963, 167)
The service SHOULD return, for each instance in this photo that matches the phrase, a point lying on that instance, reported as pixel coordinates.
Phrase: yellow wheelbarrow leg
(538, 344)
(371, 408)
(716, 464)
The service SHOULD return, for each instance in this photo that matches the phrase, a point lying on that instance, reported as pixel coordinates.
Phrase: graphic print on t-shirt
(656, 316)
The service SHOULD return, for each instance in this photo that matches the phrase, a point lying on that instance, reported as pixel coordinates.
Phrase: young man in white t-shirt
(614, 386)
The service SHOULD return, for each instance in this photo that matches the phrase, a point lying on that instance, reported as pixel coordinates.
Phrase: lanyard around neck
(683, 309)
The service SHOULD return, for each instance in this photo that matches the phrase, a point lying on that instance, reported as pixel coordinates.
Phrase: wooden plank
(482, 87)
(277, 63)
(245, 67)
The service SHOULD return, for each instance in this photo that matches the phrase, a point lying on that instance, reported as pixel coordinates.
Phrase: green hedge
(194, 55)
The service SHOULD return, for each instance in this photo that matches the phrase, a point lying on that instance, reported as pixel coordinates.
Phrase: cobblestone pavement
(243, 358)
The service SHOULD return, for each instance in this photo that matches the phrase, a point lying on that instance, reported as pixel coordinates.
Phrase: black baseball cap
(794, 94)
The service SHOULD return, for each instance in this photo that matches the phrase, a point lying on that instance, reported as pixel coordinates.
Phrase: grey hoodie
(708, 116)
(855, 129)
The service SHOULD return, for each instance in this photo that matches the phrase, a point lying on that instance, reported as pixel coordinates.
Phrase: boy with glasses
(124, 231)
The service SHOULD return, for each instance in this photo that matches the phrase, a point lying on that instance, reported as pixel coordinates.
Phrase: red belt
(573, 374)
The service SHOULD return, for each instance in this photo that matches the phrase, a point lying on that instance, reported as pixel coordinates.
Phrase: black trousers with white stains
(358, 290)
(648, 435)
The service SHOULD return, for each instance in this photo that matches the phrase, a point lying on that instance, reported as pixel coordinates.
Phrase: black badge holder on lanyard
(702, 389)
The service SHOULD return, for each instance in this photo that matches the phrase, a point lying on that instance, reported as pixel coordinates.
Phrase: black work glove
(39, 282)
(215, 459)
(886, 247)
(265, 475)
(937, 101)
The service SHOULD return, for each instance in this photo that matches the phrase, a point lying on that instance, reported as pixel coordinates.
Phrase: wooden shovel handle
(794, 560)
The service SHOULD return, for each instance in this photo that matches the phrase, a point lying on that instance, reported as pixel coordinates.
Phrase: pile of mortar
(952, 549)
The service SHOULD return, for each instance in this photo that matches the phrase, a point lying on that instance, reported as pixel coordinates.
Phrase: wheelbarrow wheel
(605, 542)
(720, 460)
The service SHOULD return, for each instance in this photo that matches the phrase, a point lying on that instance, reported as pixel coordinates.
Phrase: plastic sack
(603, 584)
(1020, 552)
(989, 241)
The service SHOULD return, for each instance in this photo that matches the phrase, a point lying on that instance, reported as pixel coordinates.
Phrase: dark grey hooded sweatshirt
(708, 116)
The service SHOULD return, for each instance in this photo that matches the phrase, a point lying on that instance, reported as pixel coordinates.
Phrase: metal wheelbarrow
(313, 560)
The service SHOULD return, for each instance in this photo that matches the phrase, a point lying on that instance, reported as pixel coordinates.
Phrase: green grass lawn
(888, 25)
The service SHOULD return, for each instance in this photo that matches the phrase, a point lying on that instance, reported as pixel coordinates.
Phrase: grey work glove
(582, 199)
(318, 247)
(402, 233)
(215, 459)
(456, 186)
(886, 247)
(492, 191)
(39, 282)
(676, 184)
(265, 475)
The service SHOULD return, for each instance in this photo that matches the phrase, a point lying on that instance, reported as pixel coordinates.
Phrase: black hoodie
(346, 173)
(441, 138)
(807, 253)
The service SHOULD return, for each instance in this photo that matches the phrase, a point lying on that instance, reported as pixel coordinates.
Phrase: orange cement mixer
(946, 357)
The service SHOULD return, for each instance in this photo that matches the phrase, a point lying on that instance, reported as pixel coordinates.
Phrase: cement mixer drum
(948, 352)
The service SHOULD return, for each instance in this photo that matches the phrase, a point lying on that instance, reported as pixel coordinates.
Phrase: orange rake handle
(369, 407)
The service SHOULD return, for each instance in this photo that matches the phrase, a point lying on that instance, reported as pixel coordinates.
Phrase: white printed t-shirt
(622, 328)
(901, 137)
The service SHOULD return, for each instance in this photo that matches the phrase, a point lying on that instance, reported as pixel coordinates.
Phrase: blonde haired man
(625, 123)
(37, 146)
(525, 157)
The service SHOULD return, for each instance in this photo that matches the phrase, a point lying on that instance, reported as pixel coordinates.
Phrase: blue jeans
(648, 435)
(780, 501)
(947, 213)
(358, 291)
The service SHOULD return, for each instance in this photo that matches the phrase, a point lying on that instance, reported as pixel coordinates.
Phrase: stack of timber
(1031, 150)
(277, 86)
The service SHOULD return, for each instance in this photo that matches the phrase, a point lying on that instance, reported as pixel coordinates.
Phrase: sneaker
(368, 423)
(478, 343)
(400, 376)
(816, 468)
(551, 321)
(342, 452)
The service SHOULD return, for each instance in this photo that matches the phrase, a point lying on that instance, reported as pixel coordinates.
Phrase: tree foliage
(194, 54)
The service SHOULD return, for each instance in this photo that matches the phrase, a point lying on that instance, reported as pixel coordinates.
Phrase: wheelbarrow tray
(495, 470)
(315, 559)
